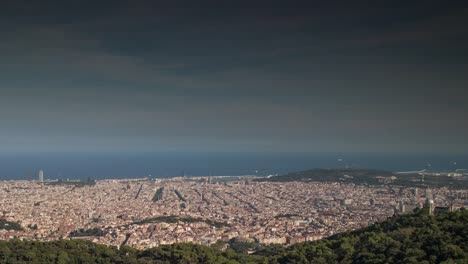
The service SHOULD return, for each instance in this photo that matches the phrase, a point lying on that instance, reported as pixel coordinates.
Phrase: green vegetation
(244, 246)
(332, 175)
(417, 238)
(80, 251)
(414, 180)
(175, 219)
(370, 177)
(216, 224)
(32, 227)
(88, 232)
(7, 225)
(88, 182)
(285, 216)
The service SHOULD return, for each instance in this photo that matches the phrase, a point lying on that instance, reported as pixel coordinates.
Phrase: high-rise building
(428, 194)
(41, 176)
(402, 207)
(429, 204)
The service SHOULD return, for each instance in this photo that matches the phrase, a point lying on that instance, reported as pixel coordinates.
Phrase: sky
(240, 76)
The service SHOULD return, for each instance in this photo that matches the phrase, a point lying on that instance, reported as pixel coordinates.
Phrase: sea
(25, 166)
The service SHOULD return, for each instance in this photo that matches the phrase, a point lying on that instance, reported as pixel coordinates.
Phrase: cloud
(196, 79)
(428, 31)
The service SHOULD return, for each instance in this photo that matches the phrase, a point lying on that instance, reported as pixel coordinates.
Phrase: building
(429, 204)
(402, 207)
(41, 176)
(428, 194)
(345, 202)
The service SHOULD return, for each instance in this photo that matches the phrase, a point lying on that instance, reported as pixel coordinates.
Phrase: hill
(417, 238)
(332, 175)
(370, 177)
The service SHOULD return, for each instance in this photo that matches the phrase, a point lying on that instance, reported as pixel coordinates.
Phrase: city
(233, 132)
(146, 213)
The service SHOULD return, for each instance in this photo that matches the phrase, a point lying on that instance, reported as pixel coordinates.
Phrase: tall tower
(41, 176)
(401, 207)
(428, 194)
(429, 204)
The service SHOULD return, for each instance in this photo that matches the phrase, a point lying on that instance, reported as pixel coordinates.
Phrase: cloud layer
(268, 76)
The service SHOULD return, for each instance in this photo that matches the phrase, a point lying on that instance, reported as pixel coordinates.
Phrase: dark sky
(364, 76)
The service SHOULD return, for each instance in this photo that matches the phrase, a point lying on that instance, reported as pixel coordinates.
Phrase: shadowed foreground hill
(415, 238)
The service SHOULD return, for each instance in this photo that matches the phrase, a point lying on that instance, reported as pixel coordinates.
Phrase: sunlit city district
(145, 213)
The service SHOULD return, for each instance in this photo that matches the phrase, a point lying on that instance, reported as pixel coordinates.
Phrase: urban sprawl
(146, 213)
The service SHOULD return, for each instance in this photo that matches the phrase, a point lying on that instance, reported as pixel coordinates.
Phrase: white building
(41, 176)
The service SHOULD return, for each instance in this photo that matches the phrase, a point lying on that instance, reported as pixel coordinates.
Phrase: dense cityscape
(233, 132)
(144, 213)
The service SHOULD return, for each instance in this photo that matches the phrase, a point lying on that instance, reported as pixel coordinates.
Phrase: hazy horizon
(136, 165)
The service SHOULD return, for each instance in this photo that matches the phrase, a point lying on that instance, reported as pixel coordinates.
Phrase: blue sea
(136, 165)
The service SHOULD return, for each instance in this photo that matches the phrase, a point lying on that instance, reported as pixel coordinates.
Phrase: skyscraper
(429, 204)
(41, 176)
(401, 207)
(428, 194)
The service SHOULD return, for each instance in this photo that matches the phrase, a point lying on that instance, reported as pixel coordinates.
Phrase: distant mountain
(417, 238)
(332, 175)
(371, 177)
